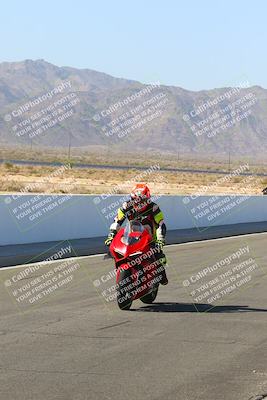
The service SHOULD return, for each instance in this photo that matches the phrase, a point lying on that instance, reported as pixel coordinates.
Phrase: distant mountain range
(58, 106)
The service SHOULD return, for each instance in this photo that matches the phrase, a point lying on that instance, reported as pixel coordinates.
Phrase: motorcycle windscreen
(132, 233)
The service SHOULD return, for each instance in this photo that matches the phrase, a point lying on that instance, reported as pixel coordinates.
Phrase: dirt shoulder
(40, 179)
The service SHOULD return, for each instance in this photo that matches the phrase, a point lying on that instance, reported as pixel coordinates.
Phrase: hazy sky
(197, 44)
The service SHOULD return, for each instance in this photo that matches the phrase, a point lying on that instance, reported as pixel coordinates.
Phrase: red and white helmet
(140, 195)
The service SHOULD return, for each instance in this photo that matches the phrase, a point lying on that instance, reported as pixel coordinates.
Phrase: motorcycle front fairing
(137, 244)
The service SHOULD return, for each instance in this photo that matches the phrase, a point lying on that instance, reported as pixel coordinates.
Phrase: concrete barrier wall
(33, 218)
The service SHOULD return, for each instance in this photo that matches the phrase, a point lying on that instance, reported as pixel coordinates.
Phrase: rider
(141, 207)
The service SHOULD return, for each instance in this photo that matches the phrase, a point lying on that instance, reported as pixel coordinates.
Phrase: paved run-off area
(61, 337)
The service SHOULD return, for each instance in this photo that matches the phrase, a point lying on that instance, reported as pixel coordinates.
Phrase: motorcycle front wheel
(123, 296)
(150, 297)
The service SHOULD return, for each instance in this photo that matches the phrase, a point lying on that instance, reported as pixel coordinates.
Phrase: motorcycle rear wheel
(124, 303)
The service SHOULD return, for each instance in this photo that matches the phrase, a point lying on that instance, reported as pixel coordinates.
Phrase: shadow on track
(191, 307)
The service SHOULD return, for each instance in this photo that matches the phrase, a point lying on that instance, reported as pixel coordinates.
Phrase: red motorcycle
(138, 269)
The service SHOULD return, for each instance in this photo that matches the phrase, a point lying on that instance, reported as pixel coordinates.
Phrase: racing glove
(110, 238)
(159, 244)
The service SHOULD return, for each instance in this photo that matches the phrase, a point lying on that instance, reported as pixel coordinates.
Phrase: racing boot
(163, 261)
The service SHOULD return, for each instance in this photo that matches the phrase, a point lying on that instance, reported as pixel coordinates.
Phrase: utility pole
(69, 147)
(229, 152)
(178, 148)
